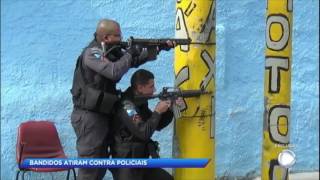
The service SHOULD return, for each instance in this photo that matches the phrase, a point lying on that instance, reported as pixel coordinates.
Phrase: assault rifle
(161, 43)
(173, 94)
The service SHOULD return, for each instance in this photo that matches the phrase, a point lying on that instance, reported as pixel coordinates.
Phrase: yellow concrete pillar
(194, 66)
(277, 87)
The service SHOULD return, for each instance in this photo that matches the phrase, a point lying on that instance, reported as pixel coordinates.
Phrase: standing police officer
(99, 67)
(134, 125)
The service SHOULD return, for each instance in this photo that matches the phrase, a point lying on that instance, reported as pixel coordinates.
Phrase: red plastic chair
(39, 139)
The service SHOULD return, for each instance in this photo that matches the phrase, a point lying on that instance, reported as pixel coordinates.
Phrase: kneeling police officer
(134, 124)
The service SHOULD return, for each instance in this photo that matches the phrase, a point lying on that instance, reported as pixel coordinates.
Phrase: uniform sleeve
(112, 70)
(166, 119)
(141, 129)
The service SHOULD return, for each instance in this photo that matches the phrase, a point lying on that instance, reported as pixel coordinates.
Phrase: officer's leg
(91, 130)
(157, 174)
(103, 154)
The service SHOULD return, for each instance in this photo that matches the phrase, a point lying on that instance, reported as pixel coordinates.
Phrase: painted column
(277, 87)
(194, 68)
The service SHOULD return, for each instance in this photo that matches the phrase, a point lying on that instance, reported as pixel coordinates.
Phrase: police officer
(99, 67)
(134, 125)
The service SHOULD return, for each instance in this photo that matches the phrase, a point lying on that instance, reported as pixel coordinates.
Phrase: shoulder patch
(129, 107)
(96, 52)
(97, 55)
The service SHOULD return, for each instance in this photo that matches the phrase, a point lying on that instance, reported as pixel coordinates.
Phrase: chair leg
(23, 172)
(17, 175)
(68, 174)
(74, 174)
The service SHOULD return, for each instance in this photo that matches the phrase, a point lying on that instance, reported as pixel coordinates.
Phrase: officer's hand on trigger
(168, 46)
(171, 44)
(162, 106)
(179, 101)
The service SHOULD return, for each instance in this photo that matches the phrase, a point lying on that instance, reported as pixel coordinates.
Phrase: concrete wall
(40, 41)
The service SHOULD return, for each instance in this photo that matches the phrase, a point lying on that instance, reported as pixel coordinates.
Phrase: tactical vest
(92, 91)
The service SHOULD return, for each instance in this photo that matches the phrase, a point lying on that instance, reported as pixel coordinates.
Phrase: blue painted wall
(40, 41)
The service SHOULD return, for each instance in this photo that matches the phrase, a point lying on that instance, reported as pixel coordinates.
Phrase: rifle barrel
(152, 42)
(191, 93)
(180, 93)
(159, 41)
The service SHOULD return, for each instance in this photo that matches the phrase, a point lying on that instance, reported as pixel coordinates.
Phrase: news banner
(113, 163)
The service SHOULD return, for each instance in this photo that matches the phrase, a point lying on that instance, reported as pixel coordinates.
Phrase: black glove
(153, 148)
(152, 53)
(134, 50)
(136, 61)
(146, 54)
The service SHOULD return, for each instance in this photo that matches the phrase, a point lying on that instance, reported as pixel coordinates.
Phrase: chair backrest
(38, 139)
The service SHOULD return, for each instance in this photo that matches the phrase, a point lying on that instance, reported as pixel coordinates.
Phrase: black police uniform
(94, 95)
(134, 125)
